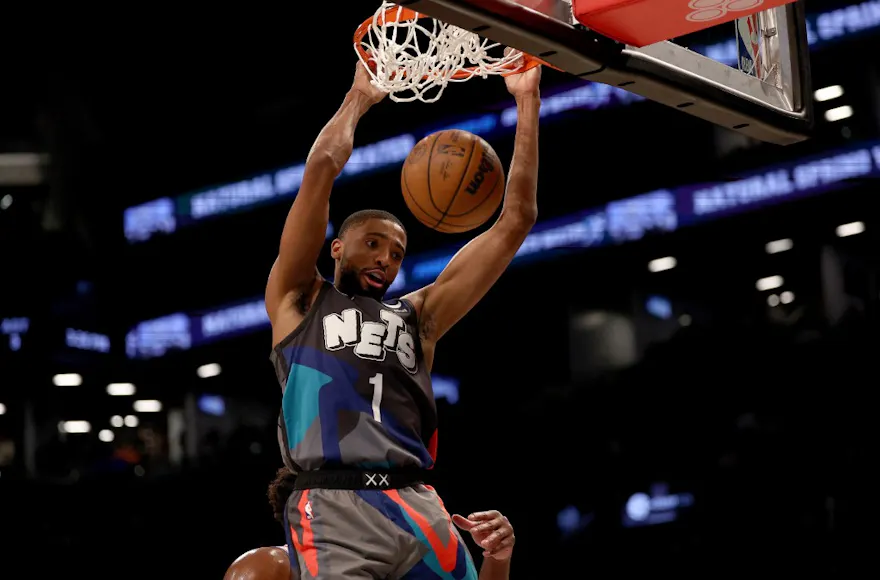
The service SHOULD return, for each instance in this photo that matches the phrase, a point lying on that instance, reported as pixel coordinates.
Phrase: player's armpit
(287, 311)
(470, 274)
(298, 299)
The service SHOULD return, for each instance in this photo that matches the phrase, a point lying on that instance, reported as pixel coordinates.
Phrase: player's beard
(351, 283)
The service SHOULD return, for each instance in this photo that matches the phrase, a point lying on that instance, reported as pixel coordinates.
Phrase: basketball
(452, 181)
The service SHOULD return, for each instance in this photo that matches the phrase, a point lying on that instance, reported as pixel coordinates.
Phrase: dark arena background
(675, 375)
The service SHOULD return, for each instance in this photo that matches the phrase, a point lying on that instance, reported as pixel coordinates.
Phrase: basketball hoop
(412, 52)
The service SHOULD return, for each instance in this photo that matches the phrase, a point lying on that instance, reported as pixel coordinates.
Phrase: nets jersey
(356, 392)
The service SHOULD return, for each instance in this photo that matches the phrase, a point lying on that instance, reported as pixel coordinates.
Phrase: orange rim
(397, 14)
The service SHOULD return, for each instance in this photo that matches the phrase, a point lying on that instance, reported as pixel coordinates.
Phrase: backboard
(767, 98)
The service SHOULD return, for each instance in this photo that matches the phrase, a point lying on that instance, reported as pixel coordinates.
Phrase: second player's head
(368, 252)
(261, 564)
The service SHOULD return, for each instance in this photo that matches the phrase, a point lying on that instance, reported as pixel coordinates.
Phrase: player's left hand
(491, 531)
(525, 84)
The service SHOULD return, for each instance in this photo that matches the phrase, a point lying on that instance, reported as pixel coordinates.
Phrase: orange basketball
(452, 181)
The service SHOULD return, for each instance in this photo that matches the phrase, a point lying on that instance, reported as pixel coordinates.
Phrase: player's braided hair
(279, 491)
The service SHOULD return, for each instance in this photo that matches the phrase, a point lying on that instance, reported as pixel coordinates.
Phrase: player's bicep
(305, 228)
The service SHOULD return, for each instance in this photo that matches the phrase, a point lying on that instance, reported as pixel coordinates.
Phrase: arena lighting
(117, 421)
(850, 229)
(120, 389)
(106, 435)
(773, 301)
(5, 201)
(212, 405)
(24, 168)
(147, 406)
(778, 246)
(838, 114)
(14, 328)
(74, 427)
(208, 371)
(131, 421)
(67, 380)
(829, 93)
(445, 388)
(84, 340)
(659, 307)
(787, 297)
(769, 283)
(662, 264)
(657, 507)
(2, 409)
(570, 520)
(619, 222)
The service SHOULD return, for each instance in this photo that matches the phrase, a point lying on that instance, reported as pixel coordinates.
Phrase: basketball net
(412, 53)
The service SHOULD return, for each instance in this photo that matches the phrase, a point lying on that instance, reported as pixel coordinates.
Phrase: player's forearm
(520, 200)
(494, 570)
(336, 141)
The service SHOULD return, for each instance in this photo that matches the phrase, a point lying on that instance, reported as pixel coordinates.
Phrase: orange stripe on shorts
(306, 549)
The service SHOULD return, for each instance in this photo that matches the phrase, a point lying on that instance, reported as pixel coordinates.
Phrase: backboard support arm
(663, 72)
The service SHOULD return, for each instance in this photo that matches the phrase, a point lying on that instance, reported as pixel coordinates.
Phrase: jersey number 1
(376, 381)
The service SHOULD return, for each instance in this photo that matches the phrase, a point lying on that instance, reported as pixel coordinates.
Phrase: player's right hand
(363, 83)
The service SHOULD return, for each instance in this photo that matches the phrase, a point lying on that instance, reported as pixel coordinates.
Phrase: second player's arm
(477, 266)
(495, 570)
(294, 275)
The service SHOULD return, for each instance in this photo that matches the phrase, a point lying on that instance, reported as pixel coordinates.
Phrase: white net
(416, 56)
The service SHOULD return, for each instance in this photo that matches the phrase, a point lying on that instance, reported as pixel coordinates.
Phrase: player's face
(370, 257)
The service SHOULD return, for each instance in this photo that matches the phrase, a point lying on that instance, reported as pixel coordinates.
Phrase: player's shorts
(377, 530)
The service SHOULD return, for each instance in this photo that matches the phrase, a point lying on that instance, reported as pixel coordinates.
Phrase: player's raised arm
(294, 277)
(476, 267)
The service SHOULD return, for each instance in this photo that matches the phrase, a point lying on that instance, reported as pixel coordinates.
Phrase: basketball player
(273, 563)
(358, 420)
